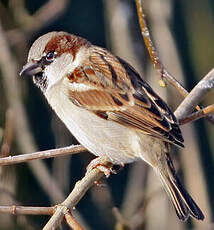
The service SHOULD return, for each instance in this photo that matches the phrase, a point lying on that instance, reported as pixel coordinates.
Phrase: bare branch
(23, 210)
(164, 74)
(72, 222)
(195, 96)
(74, 197)
(61, 211)
(197, 115)
(70, 150)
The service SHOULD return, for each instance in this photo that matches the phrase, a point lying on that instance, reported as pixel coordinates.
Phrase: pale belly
(102, 137)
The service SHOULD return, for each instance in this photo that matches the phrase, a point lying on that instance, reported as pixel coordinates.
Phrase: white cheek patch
(58, 69)
(62, 66)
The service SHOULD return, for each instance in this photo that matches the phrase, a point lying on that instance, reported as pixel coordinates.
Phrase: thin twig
(23, 210)
(164, 74)
(72, 222)
(197, 115)
(70, 150)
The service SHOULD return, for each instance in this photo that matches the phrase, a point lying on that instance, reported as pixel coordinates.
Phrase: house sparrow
(109, 108)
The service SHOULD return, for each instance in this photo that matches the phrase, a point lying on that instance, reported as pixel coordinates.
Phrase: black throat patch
(40, 80)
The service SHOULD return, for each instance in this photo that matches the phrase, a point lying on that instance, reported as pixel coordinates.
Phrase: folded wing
(110, 88)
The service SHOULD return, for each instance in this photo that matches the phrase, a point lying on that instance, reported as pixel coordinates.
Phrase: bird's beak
(30, 69)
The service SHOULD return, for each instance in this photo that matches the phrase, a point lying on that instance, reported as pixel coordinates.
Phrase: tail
(184, 205)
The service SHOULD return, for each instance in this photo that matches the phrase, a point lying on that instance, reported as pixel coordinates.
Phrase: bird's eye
(50, 56)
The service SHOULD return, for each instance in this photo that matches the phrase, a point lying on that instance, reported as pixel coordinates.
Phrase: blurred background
(133, 199)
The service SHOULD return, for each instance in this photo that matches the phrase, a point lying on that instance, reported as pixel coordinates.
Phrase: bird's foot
(103, 164)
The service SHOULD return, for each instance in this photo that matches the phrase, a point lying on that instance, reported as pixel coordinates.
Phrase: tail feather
(184, 205)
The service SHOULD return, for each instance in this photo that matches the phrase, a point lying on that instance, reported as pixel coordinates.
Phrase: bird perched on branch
(109, 108)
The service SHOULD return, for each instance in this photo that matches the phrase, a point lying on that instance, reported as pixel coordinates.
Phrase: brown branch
(72, 222)
(197, 115)
(70, 150)
(23, 210)
(74, 197)
(165, 75)
(62, 210)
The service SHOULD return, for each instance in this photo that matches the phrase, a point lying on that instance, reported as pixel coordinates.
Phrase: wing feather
(116, 92)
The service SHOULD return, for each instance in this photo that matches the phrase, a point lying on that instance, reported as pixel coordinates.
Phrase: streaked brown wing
(116, 92)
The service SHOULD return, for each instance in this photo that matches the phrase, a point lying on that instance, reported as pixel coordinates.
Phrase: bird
(109, 108)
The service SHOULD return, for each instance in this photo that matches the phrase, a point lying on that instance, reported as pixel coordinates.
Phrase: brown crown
(66, 43)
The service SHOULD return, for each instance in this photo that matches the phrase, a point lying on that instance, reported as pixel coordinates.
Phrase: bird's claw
(103, 164)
